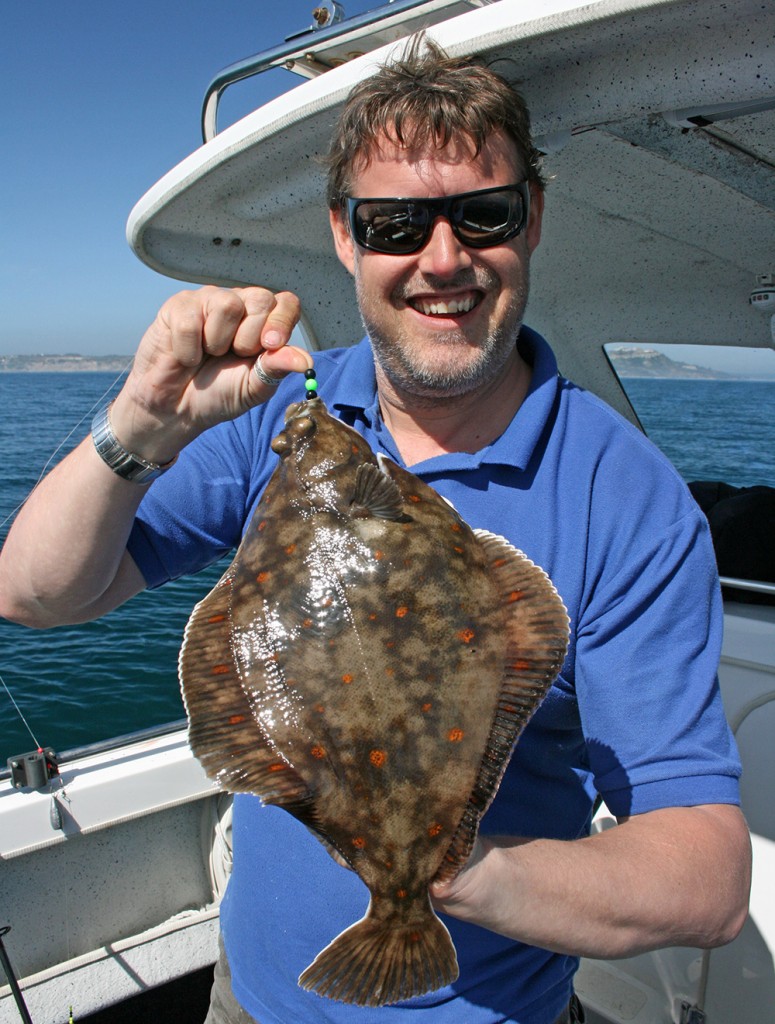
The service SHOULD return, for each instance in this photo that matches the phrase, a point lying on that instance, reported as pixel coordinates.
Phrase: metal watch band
(125, 464)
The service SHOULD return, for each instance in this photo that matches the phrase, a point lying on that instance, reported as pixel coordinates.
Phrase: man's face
(443, 321)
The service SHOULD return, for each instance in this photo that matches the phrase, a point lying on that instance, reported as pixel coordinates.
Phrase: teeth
(451, 307)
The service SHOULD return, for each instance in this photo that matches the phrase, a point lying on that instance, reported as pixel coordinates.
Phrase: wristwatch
(125, 464)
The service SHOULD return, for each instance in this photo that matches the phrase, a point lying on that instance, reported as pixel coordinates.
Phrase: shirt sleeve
(197, 511)
(648, 647)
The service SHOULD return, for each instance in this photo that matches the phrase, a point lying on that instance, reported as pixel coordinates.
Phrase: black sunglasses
(480, 219)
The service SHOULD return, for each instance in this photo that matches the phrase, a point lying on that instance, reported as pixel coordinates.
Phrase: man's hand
(65, 559)
(194, 366)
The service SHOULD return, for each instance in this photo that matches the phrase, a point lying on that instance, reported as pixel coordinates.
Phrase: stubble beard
(465, 366)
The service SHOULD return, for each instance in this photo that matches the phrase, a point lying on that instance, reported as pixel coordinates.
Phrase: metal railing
(295, 53)
(752, 586)
(114, 743)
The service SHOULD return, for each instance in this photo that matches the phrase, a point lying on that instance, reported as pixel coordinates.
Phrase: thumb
(272, 366)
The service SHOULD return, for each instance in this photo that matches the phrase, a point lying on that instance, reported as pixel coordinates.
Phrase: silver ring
(263, 376)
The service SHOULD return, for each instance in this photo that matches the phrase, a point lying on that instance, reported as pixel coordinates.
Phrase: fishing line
(19, 712)
(60, 446)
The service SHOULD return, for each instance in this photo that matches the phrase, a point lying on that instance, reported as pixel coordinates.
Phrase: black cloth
(742, 525)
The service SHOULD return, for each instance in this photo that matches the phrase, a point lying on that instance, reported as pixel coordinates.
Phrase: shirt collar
(516, 444)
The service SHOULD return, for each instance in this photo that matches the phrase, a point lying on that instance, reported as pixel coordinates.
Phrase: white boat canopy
(658, 122)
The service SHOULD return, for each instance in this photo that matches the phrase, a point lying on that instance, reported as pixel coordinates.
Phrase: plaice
(367, 662)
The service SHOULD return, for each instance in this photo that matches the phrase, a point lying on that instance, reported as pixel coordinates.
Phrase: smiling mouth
(445, 307)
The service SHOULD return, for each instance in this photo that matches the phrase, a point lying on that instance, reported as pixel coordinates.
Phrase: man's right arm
(65, 558)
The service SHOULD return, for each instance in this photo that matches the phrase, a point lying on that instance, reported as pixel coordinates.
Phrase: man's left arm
(678, 876)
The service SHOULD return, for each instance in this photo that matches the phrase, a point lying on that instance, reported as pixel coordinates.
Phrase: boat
(657, 120)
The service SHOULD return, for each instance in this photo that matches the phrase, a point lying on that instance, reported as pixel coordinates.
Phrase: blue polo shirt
(634, 716)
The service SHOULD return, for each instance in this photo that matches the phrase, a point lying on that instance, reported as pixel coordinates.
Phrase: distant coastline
(68, 363)
(629, 362)
(638, 363)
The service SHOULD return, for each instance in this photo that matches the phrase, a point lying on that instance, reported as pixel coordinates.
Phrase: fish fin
(381, 960)
(537, 629)
(328, 845)
(223, 732)
(378, 493)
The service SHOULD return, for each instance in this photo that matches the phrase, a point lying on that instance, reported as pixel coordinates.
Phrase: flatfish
(367, 662)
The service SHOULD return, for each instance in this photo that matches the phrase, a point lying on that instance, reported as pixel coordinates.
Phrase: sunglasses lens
(391, 227)
(486, 220)
(401, 226)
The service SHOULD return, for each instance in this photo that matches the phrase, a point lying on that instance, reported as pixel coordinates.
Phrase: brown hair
(422, 94)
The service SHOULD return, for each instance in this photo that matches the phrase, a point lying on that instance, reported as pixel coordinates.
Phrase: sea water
(80, 684)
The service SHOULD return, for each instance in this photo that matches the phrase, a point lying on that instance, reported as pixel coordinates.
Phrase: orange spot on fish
(415, 498)
(390, 643)
(401, 894)
(373, 616)
(434, 830)
(516, 595)
(347, 678)
(390, 672)
(401, 611)
(427, 706)
(320, 708)
(221, 670)
(378, 758)
(236, 719)
(499, 562)
(262, 577)
(521, 665)
(414, 937)
(278, 766)
(358, 842)
(290, 549)
(466, 635)
(455, 735)
(455, 527)
(307, 623)
(216, 618)
(458, 549)
(379, 555)
(262, 524)
(318, 752)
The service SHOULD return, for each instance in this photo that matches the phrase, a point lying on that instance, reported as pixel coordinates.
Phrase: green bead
(311, 385)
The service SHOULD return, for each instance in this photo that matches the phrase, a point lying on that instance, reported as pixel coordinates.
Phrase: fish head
(319, 455)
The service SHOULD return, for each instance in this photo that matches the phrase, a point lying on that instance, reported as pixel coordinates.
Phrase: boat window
(711, 410)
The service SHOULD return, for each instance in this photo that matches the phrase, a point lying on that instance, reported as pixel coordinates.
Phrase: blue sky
(100, 99)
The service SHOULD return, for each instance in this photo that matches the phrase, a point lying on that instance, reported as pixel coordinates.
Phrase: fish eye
(302, 426)
(281, 444)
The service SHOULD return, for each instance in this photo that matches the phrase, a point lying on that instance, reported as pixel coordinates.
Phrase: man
(450, 383)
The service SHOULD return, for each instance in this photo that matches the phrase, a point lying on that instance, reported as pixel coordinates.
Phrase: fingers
(272, 365)
(214, 321)
(268, 322)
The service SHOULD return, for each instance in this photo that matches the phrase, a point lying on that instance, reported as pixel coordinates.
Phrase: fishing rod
(16, 992)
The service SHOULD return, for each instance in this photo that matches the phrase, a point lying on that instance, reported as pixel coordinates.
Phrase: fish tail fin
(383, 960)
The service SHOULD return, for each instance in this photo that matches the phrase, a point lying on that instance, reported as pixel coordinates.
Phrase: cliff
(68, 363)
(645, 362)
